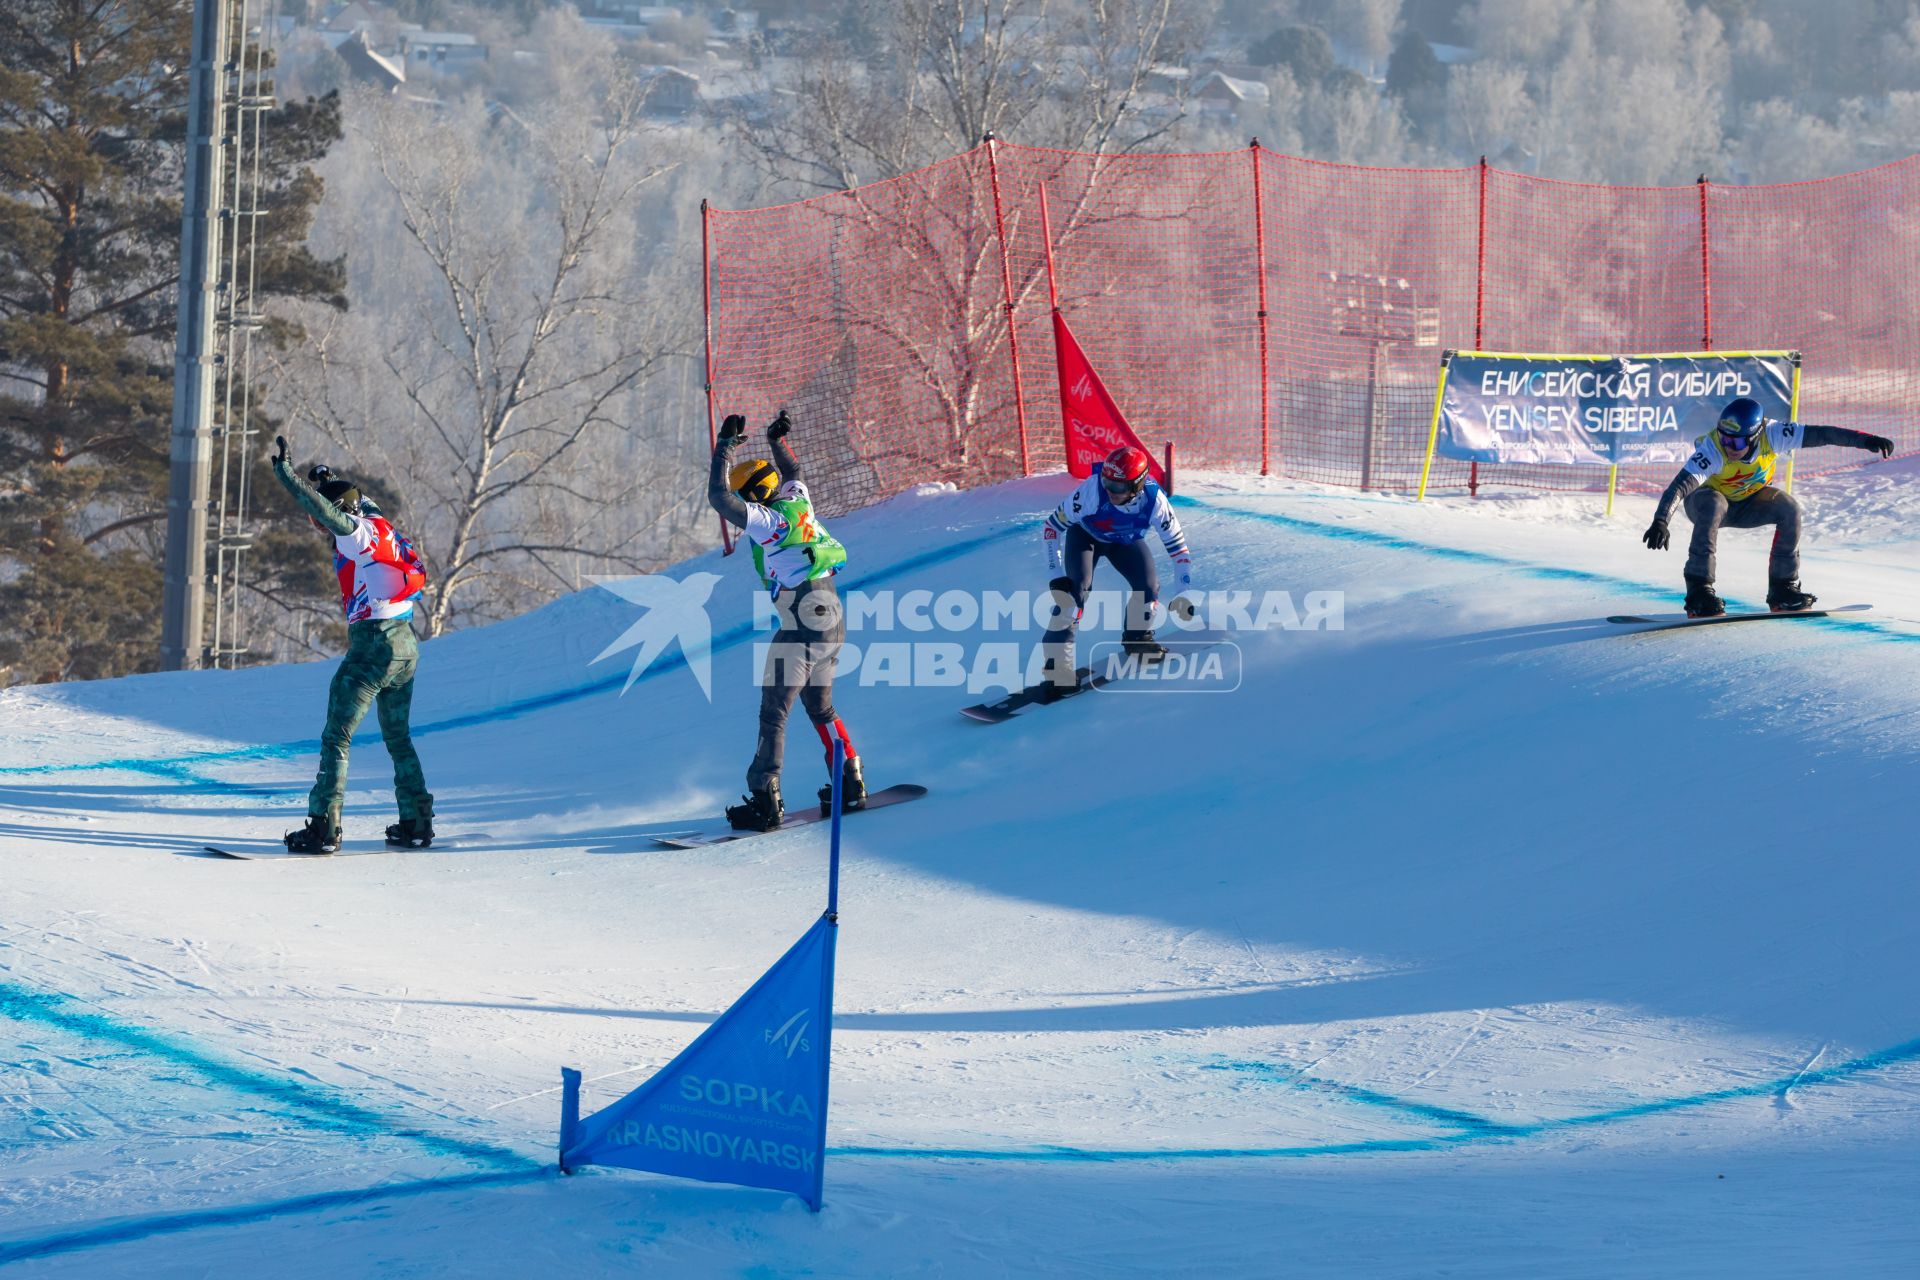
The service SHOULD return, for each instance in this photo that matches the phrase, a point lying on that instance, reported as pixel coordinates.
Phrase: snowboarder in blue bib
(1107, 517)
(796, 559)
(1728, 481)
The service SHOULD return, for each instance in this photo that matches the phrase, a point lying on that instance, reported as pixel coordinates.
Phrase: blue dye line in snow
(160, 1224)
(1531, 569)
(1273, 1073)
(303, 1104)
(183, 765)
(1490, 1133)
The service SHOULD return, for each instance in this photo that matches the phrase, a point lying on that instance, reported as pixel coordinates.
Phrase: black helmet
(342, 494)
(1742, 419)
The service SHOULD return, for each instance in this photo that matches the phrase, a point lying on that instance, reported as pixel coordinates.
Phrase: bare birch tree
(929, 78)
(501, 377)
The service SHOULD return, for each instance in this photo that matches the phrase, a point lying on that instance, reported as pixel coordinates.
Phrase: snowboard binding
(410, 833)
(853, 778)
(320, 835)
(761, 810)
(1785, 596)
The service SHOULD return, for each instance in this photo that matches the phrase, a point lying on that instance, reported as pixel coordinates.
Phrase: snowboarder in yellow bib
(1728, 481)
(796, 559)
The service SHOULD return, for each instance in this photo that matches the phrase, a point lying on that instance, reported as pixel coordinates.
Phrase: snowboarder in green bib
(796, 558)
(380, 577)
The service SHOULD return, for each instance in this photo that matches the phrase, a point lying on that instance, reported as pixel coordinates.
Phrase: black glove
(1880, 445)
(779, 426)
(1656, 537)
(1182, 608)
(734, 429)
(280, 454)
(319, 473)
(1062, 585)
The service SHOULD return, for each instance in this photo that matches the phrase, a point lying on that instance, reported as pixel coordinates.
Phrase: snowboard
(897, 794)
(1671, 621)
(1003, 710)
(276, 850)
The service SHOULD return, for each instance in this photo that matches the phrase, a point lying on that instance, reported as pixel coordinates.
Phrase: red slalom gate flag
(1094, 424)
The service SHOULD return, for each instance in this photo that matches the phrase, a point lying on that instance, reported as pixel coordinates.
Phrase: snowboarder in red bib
(1107, 517)
(1728, 481)
(796, 558)
(380, 577)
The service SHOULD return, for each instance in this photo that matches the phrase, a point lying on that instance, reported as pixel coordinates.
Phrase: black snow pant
(1079, 553)
(1710, 510)
(800, 665)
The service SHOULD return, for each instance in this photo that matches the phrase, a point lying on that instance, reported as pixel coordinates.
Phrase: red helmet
(1125, 472)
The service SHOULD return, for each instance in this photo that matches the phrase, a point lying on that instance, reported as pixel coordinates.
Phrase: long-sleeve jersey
(1739, 478)
(1093, 509)
(379, 570)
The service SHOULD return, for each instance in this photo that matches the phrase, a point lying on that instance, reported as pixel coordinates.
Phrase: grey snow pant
(1710, 510)
(800, 664)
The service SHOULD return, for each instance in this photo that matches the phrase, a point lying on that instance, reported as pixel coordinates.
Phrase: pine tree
(92, 118)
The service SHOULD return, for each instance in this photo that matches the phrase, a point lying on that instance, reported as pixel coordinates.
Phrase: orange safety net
(1268, 314)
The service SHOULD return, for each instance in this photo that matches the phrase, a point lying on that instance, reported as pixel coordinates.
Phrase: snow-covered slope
(1472, 937)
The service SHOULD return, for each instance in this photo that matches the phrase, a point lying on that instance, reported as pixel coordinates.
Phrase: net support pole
(1167, 468)
(1260, 269)
(706, 313)
(1433, 425)
(1706, 272)
(1006, 289)
(1053, 301)
(1613, 480)
(1479, 311)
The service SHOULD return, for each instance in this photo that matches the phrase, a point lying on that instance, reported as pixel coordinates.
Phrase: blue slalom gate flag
(745, 1103)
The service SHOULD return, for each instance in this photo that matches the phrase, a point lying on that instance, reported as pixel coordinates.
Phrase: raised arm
(720, 496)
(329, 517)
(783, 458)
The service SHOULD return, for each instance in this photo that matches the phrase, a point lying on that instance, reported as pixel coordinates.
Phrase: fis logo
(791, 1035)
(1082, 387)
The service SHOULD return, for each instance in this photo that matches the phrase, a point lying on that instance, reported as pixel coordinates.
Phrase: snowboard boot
(410, 833)
(1785, 596)
(762, 810)
(854, 780)
(1058, 678)
(1142, 644)
(1702, 601)
(320, 835)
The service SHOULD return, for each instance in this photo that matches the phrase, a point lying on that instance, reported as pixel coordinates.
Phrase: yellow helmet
(755, 479)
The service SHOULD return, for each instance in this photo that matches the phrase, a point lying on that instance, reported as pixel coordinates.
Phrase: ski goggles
(1735, 441)
(1123, 488)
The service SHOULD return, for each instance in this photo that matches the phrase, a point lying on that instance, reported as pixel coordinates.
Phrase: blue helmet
(1742, 419)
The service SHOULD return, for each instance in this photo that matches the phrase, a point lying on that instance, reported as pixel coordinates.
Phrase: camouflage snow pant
(378, 670)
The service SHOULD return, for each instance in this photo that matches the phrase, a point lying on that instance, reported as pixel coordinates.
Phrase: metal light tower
(184, 603)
